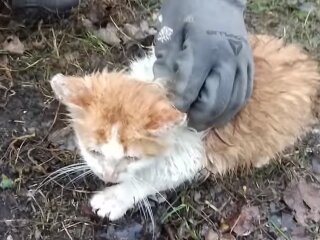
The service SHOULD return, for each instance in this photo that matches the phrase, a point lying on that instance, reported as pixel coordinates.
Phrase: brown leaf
(63, 138)
(109, 35)
(130, 30)
(298, 195)
(13, 44)
(247, 221)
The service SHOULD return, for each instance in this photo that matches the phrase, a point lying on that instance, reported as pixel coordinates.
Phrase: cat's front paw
(113, 202)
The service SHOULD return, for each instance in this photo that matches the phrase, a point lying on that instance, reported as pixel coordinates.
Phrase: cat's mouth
(120, 168)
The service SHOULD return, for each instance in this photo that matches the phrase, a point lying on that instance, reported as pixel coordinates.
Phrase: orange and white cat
(129, 132)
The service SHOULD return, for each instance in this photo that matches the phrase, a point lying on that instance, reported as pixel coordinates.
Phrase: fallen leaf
(291, 227)
(12, 44)
(144, 26)
(247, 221)
(311, 195)
(299, 233)
(6, 182)
(130, 30)
(109, 35)
(63, 138)
(298, 195)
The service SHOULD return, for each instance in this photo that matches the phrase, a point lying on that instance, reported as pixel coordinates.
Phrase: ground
(280, 201)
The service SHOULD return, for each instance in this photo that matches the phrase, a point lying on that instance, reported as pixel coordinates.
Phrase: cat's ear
(165, 117)
(69, 90)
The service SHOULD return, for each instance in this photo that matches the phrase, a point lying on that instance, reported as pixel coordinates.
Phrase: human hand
(202, 46)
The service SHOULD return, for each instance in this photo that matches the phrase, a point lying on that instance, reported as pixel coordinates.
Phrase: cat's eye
(132, 158)
(95, 153)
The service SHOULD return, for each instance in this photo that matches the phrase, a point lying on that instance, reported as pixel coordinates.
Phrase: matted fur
(286, 84)
(129, 131)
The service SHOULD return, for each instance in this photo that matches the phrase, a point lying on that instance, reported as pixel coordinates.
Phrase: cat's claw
(112, 203)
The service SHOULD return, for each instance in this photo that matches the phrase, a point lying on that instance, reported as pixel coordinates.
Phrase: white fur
(111, 154)
(181, 162)
(113, 149)
(142, 69)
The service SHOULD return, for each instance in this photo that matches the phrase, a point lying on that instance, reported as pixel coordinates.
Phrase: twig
(66, 230)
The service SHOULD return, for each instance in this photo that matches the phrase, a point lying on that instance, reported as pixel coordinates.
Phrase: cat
(129, 133)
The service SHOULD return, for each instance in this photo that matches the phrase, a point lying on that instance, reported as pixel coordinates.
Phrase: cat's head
(120, 123)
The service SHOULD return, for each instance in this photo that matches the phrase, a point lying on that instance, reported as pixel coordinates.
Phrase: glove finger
(192, 68)
(166, 51)
(214, 97)
(238, 97)
(250, 76)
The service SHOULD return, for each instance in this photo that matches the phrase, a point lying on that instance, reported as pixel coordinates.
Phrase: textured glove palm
(202, 47)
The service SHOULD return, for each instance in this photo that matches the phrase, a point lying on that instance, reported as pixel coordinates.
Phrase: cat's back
(286, 84)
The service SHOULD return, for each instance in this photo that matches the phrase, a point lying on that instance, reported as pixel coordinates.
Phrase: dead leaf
(130, 30)
(109, 35)
(247, 221)
(12, 44)
(144, 26)
(63, 138)
(289, 225)
(298, 195)
(299, 233)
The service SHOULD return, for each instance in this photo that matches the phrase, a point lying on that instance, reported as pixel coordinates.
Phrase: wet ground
(280, 201)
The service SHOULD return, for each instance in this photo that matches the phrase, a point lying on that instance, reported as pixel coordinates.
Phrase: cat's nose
(110, 176)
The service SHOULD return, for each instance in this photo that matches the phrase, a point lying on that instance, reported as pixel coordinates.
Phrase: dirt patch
(248, 205)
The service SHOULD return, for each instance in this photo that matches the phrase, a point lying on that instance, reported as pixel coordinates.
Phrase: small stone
(307, 7)
(9, 237)
(211, 235)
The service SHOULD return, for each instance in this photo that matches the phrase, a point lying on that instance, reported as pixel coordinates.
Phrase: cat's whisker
(142, 210)
(149, 210)
(74, 180)
(73, 168)
(146, 203)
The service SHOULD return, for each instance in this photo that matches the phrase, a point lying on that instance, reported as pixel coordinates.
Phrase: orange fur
(286, 85)
(100, 100)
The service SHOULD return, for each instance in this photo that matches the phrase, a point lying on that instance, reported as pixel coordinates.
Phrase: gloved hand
(202, 46)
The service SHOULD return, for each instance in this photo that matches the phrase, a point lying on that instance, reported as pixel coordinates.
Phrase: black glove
(202, 47)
